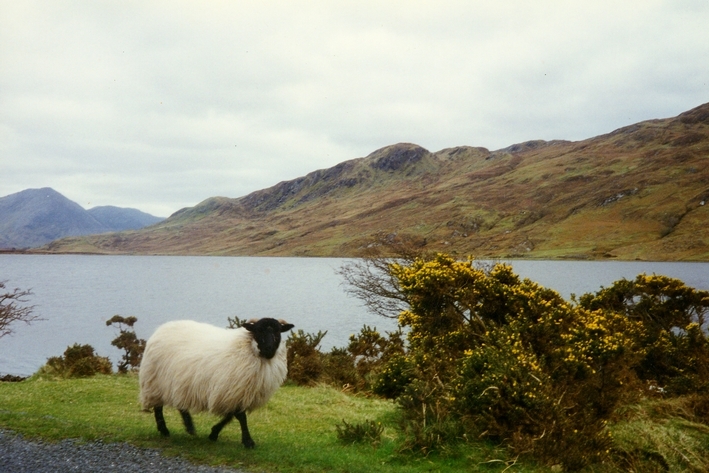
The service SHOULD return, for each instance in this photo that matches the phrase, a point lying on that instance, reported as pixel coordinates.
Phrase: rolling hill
(116, 219)
(638, 192)
(35, 217)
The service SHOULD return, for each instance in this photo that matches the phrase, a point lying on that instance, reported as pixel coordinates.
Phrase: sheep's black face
(267, 333)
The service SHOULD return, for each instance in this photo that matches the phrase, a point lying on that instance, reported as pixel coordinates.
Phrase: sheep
(197, 367)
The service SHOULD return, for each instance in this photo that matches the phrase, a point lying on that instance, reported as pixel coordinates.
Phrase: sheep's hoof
(248, 443)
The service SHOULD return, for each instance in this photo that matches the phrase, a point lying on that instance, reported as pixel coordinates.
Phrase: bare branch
(370, 278)
(12, 309)
(370, 281)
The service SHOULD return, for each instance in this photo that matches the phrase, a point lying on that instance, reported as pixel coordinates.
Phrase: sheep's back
(197, 367)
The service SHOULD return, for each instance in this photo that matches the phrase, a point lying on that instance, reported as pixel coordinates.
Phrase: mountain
(35, 217)
(638, 192)
(117, 219)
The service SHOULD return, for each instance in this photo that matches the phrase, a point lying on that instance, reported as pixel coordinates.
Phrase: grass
(295, 432)
(667, 431)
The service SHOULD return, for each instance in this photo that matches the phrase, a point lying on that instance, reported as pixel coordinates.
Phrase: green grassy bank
(296, 431)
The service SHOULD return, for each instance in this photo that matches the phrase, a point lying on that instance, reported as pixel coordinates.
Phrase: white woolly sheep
(197, 367)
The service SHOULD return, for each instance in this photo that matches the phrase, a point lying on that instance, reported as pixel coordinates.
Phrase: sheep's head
(267, 334)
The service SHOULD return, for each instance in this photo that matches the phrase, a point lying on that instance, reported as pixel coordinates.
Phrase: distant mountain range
(35, 217)
(639, 192)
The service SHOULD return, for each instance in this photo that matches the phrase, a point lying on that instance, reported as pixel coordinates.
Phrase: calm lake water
(76, 294)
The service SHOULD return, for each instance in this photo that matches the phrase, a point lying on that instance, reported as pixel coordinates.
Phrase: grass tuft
(662, 435)
(368, 431)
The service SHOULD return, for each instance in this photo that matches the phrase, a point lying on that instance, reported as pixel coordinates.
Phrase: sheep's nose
(268, 352)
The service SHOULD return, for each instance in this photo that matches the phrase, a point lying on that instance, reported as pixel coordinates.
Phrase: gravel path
(19, 455)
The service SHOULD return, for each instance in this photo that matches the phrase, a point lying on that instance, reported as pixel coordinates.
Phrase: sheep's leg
(218, 427)
(245, 435)
(187, 420)
(160, 420)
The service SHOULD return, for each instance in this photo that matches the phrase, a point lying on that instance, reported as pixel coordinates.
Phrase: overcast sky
(160, 105)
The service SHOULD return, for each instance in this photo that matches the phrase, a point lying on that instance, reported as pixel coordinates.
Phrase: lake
(76, 294)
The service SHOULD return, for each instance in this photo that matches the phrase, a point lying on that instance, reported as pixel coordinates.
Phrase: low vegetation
(367, 431)
(78, 361)
(127, 340)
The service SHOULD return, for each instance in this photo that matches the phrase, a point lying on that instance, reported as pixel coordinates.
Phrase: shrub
(78, 361)
(355, 367)
(235, 322)
(339, 369)
(490, 354)
(370, 351)
(554, 405)
(396, 373)
(368, 431)
(676, 355)
(304, 359)
(132, 346)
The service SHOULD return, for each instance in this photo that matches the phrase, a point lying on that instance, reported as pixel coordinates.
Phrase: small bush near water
(78, 361)
(127, 340)
(355, 367)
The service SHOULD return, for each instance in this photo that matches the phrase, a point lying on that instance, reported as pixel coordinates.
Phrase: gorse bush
(305, 364)
(396, 372)
(338, 369)
(505, 358)
(671, 314)
(491, 355)
(78, 361)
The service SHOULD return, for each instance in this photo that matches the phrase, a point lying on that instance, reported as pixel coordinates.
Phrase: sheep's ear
(248, 326)
(285, 326)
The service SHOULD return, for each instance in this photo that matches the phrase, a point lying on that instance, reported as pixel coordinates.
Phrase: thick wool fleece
(199, 367)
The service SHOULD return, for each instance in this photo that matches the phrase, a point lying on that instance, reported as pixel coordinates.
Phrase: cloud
(159, 105)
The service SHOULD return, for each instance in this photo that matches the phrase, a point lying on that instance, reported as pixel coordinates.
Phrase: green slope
(636, 193)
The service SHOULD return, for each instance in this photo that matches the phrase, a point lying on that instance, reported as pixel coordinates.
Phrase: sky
(159, 105)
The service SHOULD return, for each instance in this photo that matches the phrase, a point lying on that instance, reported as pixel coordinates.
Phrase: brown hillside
(636, 193)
